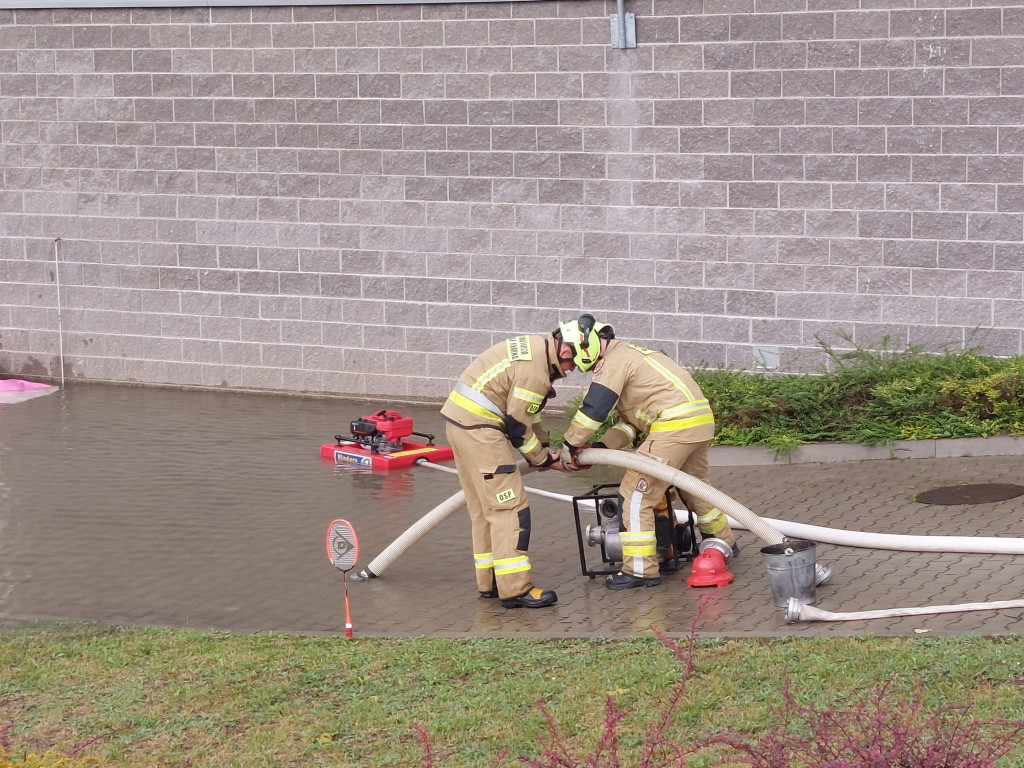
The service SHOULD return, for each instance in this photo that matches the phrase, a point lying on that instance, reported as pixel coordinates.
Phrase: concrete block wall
(357, 199)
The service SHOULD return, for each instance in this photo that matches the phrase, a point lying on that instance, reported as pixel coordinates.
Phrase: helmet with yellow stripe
(583, 337)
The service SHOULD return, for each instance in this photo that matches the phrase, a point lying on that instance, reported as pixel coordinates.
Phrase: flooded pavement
(140, 505)
(132, 505)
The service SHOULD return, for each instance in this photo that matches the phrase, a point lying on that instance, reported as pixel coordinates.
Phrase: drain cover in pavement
(971, 494)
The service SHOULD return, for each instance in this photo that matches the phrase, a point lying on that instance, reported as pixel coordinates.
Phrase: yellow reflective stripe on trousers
(529, 445)
(585, 421)
(671, 377)
(509, 565)
(713, 522)
(638, 543)
(527, 395)
(464, 402)
(485, 560)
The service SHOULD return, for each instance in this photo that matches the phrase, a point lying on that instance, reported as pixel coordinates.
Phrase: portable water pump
(382, 432)
(381, 441)
(675, 540)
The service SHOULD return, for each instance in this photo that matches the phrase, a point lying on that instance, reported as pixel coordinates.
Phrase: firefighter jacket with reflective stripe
(653, 394)
(506, 388)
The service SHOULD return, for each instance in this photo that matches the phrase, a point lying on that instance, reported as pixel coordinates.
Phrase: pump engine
(382, 432)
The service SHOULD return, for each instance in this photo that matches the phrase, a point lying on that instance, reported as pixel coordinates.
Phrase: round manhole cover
(980, 493)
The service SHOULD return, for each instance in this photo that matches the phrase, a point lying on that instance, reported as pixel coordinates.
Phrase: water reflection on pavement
(138, 505)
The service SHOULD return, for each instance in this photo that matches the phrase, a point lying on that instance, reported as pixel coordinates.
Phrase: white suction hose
(796, 611)
(420, 528)
(679, 479)
(688, 485)
(979, 545)
(770, 531)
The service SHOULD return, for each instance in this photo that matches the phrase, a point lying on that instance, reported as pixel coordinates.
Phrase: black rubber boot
(533, 598)
(627, 581)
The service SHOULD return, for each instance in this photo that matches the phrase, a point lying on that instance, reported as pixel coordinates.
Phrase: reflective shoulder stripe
(585, 421)
(490, 373)
(671, 377)
(527, 395)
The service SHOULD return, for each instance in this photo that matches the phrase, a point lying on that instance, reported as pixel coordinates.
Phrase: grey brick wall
(357, 199)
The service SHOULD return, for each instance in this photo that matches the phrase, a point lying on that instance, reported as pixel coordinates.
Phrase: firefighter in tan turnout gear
(657, 397)
(493, 417)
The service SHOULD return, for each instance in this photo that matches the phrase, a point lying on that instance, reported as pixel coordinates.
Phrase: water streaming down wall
(355, 199)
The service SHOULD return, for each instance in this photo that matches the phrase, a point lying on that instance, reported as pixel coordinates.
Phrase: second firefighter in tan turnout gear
(494, 418)
(657, 397)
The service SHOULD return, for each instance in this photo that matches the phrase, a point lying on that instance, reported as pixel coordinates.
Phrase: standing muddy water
(136, 505)
(151, 506)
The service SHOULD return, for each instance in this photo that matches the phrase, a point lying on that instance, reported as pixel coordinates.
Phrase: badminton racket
(343, 551)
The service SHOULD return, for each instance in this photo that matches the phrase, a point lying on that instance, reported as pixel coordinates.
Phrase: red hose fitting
(709, 569)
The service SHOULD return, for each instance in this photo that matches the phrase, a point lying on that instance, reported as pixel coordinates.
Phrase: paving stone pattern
(412, 598)
(357, 198)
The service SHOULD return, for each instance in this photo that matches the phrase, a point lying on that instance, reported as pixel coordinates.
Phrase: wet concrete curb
(831, 453)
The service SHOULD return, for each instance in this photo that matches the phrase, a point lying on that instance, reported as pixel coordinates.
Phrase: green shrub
(866, 395)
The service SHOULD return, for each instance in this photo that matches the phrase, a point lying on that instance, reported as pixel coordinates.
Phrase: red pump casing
(393, 425)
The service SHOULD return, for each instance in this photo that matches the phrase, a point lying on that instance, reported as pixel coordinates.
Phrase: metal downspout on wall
(623, 27)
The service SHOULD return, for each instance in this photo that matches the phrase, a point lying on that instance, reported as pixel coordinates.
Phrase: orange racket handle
(348, 617)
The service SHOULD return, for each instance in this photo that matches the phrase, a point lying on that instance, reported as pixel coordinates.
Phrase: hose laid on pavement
(684, 482)
(770, 531)
(796, 611)
(978, 545)
(688, 484)
(418, 529)
(421, 527)
(898, 542)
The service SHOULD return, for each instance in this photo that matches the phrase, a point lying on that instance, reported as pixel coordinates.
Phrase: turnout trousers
(641, 493)
(498, 508)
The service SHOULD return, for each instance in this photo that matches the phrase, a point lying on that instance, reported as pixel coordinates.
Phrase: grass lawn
(146, 697)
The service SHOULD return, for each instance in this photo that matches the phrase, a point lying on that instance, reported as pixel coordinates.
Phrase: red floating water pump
(380, 441)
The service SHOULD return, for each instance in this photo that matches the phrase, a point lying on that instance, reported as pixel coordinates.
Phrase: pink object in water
(18, 390)
(18, 385)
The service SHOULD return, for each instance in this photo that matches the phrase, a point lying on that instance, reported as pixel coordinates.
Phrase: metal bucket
(791, 571)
